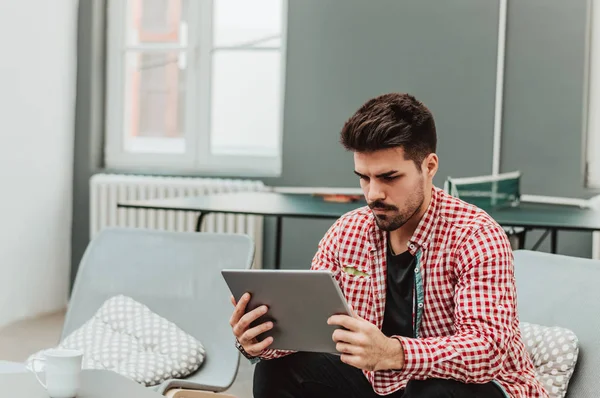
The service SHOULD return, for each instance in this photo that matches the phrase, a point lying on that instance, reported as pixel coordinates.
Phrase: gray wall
(543, 132)
(343, 52)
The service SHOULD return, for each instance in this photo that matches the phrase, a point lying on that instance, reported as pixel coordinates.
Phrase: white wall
(37, 101)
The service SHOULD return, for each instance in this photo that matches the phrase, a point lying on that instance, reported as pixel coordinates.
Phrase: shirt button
(420, 305)
(411, 246)
(416, 270)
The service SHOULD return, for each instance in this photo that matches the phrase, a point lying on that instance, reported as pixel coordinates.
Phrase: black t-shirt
(398, 315)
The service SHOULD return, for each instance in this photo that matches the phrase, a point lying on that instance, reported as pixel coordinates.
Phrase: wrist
(394, 360)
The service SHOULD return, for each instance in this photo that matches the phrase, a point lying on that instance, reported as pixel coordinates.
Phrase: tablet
(299, 301)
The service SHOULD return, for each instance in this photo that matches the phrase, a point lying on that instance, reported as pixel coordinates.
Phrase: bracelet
(241, 349)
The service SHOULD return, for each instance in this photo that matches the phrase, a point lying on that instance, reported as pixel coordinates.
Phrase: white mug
(62, 372)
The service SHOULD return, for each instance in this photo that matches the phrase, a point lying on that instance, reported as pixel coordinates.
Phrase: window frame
(198, 54)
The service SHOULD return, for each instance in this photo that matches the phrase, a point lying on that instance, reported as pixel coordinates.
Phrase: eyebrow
(382, 175)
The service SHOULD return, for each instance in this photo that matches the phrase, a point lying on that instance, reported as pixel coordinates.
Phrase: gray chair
(177, 275)
(557, 290)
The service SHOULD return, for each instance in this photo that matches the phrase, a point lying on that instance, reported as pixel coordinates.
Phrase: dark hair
(392, 120)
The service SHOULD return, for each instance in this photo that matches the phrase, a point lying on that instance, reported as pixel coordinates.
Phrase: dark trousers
(312, 375)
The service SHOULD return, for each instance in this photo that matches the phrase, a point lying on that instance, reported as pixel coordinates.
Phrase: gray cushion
(563, 291)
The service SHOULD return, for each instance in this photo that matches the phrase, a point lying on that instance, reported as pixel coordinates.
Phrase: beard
(395, 218)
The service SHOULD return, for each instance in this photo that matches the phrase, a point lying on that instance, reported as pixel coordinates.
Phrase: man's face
(393, 186)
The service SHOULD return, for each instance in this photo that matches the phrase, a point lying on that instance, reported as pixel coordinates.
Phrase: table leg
(200, 219)
(278, 244)
(521, 238)
(553, 240)
(540, 240)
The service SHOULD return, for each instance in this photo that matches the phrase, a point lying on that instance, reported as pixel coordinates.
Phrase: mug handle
(32, 370)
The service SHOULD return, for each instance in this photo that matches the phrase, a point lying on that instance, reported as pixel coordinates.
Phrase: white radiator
(106, 190)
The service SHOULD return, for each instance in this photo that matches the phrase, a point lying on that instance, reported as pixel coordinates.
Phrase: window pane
(154, 102)
(155, 21)
(246, 102)
(242, 22)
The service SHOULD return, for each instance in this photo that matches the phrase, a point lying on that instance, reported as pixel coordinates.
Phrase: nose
(375, 192)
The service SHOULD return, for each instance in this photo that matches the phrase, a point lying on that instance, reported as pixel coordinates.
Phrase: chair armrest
(183, 393)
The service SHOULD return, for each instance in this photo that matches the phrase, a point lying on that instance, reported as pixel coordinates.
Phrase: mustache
(381, 206)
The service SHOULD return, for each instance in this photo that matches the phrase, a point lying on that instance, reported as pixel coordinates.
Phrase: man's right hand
(240, 323)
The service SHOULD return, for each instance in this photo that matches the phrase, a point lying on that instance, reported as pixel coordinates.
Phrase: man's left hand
(364, 346)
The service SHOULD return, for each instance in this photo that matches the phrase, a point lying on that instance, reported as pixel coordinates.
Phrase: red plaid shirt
(465, 319)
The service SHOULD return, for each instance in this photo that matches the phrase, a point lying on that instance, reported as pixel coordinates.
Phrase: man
(429, 277)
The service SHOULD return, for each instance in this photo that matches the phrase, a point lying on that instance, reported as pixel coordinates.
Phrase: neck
(399, 238)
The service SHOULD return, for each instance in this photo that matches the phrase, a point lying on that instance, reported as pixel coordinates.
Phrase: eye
(363, 178)
(390, 178)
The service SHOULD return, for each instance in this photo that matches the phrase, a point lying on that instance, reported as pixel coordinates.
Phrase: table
(94, 384)
(12, 367)
(272, 204)
(552, 218)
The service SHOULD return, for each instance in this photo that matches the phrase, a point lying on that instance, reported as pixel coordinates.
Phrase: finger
(344, 321)
(346, 348)
(346, 336)
(239, 310)
(255, 331)
(258, 348)
(352, 360)
(247, 319)
(341, 335)
(232, 299)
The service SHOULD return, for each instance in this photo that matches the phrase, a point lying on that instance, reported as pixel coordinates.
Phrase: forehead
(382, 161)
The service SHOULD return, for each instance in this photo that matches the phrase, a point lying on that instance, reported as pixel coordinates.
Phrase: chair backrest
(177, 275)
(557, 290)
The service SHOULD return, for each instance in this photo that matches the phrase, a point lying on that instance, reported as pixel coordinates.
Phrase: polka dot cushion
(128, 338)
(554, 352)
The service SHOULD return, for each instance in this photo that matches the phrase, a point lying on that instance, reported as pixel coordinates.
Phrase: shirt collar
(422, 234)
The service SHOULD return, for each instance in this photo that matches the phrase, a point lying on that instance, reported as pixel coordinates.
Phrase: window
(593, 122)
(196, 85)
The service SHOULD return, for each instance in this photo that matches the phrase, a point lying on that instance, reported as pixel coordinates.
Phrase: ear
(430, 165)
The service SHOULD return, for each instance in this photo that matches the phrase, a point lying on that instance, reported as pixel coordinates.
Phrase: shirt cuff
(417, 357)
